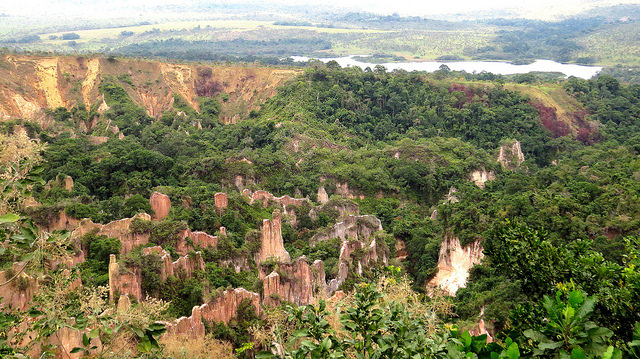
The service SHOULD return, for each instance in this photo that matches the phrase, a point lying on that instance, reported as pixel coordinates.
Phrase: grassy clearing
(417, 45)
(614, 45)
(93, 35)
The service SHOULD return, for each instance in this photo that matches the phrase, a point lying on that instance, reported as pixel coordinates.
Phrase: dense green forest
(560, 231)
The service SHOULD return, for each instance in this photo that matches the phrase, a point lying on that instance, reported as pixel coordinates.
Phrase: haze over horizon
(539, 9)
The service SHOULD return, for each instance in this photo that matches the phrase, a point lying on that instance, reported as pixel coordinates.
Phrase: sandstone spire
(272, 243)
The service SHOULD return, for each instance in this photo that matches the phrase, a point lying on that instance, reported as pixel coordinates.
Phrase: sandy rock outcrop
(61, 222)
(68, 183)
(454, 264)
(323, 197)
(510, 155)
(124, 303)
(401, 250)
(123, 281)
(265, 197)
(199, 239)
(221, 201)
(19, 293)
(481, 176)
(160, 205)
(68, 338)
(184, 266)
(345, 208)
(451, 196)
(296, 282)
(272, 246)
(354, 227)
(221, 309)
(97, 140)
(342, 189)
(480, 328)
(120, 229)
(368, 255)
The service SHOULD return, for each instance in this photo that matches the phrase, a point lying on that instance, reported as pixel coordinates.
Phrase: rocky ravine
(283, 279)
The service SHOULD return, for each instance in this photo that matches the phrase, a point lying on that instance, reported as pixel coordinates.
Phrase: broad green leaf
(138, 332)
(578, 353)
(9, 218)
(513, 352)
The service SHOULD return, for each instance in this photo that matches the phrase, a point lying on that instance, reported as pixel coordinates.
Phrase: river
(496, 67)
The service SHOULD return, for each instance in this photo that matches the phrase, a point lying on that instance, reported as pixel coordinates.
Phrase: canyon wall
(354, 227)
(221, 309)
(454, 264)
(510, 155)
(296, 282)
(20, 291)
(31, 84)
(120, 229)
(266, 197)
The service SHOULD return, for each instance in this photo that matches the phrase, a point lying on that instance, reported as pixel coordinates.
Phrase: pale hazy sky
(534, 8)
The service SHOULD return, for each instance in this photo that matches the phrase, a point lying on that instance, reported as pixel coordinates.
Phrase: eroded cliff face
(160, 205)
(184, 266)
(221, 201)
(510, 155)
(30, 84)
(323, 197)
(221, 309)
(123, 281)
(481, 176)
(296, 282)
(355, 227)
(19, 293)
(266, 197)
(61, 221)
(198, 238)
(368, 254)
(454, 264)
(128, 281)
(120, 229)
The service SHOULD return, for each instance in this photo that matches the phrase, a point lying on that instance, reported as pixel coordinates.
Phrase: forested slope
(455, 170)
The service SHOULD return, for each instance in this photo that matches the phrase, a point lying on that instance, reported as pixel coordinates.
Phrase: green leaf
(265, 355)
(578, 353)
(145, 345)
(138, 332)
(513, 352)
(85, 340)
(9, 218)
(76, 350)
(301, 333)
(466, 339)
(94, 333)
(156, 326)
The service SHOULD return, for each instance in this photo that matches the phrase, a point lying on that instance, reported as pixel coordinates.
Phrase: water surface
(496, 67)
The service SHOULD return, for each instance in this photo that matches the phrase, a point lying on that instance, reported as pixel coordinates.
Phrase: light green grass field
(615, 45)
(87, 36)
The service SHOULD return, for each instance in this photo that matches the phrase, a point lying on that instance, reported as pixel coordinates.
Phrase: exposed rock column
(114, 272)
(221, 201)
(160, 204)
(272, 244)
(323, 197)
